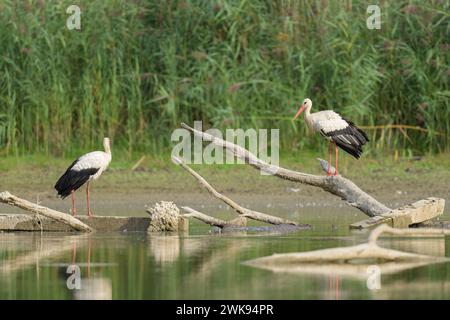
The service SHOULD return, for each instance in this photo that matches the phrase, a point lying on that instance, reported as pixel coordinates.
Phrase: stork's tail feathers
(71, 180)
(351, 139)
(353, 150)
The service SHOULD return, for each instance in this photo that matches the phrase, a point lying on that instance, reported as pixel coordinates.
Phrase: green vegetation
(139, 68)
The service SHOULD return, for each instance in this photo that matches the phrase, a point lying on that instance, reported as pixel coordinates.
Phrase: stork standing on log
(85, 169)
(337, 130)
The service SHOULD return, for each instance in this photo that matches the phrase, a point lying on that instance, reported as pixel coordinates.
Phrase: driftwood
(251, 214)
(336, 185)
(362, 255)
(413, 214)
(191, 213)
(35, 209)
(238, 225)
(406, 216)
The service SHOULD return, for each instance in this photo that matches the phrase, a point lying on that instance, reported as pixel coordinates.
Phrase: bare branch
(336, 185)
(255, 215)
(191, 213)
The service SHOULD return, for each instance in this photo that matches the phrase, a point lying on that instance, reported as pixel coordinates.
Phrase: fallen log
(336, 185)
(406, 216)
(251, 214)
(238, 225)
(35, 210)
(191, 213)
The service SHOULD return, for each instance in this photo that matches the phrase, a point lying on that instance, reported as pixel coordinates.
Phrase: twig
(402, 126)
(138, 163)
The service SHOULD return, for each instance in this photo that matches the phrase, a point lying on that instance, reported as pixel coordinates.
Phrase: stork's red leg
(336, 163)
(329, 160)
(87, 201)
(74, 210)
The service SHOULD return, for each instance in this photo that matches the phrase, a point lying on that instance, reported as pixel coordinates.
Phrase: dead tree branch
(251, 214)
(191, 213)
(336, 185)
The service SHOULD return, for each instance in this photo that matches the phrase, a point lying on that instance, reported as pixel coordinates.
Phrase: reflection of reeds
(136, 72)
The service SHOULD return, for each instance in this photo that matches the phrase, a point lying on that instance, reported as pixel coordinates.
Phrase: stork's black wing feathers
(362, 135)
(350, 139)
(71, 180)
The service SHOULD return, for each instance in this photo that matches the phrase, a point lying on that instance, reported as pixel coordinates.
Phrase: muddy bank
(122, 192)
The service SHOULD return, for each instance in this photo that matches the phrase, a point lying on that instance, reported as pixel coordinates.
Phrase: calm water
(205, 265)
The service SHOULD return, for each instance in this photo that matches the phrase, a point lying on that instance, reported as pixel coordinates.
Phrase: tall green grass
(139, 68)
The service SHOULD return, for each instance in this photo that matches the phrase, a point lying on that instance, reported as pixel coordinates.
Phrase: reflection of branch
(255, 215)
(217, 258)
(35, 209)
(336, 185)
(376, 233)
(363, 252)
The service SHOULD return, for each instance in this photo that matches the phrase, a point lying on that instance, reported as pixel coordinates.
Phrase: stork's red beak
(299, 112)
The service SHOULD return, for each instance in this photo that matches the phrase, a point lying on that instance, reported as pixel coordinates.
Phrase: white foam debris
(164, 216)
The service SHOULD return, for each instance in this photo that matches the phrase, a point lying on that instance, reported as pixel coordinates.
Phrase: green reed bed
(136, 69)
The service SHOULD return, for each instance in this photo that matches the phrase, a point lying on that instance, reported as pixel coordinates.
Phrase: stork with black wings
(83, 170)
(337, 130)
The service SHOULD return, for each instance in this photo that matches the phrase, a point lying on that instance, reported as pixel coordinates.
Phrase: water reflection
(39, 249)
(94, 289)
(433, 246)
(165, 247)
(205, 266)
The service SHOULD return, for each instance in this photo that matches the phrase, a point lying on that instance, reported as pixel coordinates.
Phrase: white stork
(339, 131)
(85, 169)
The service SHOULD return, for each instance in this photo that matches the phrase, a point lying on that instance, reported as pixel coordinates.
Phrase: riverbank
(393, 182)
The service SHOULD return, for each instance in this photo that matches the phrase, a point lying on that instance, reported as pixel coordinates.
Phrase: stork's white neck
(308, 118)
(106, 145)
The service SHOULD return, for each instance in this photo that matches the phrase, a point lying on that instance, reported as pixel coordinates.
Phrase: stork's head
(307, 103)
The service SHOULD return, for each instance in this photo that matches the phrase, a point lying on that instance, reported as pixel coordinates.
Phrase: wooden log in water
(23, 222)
(406, 216)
